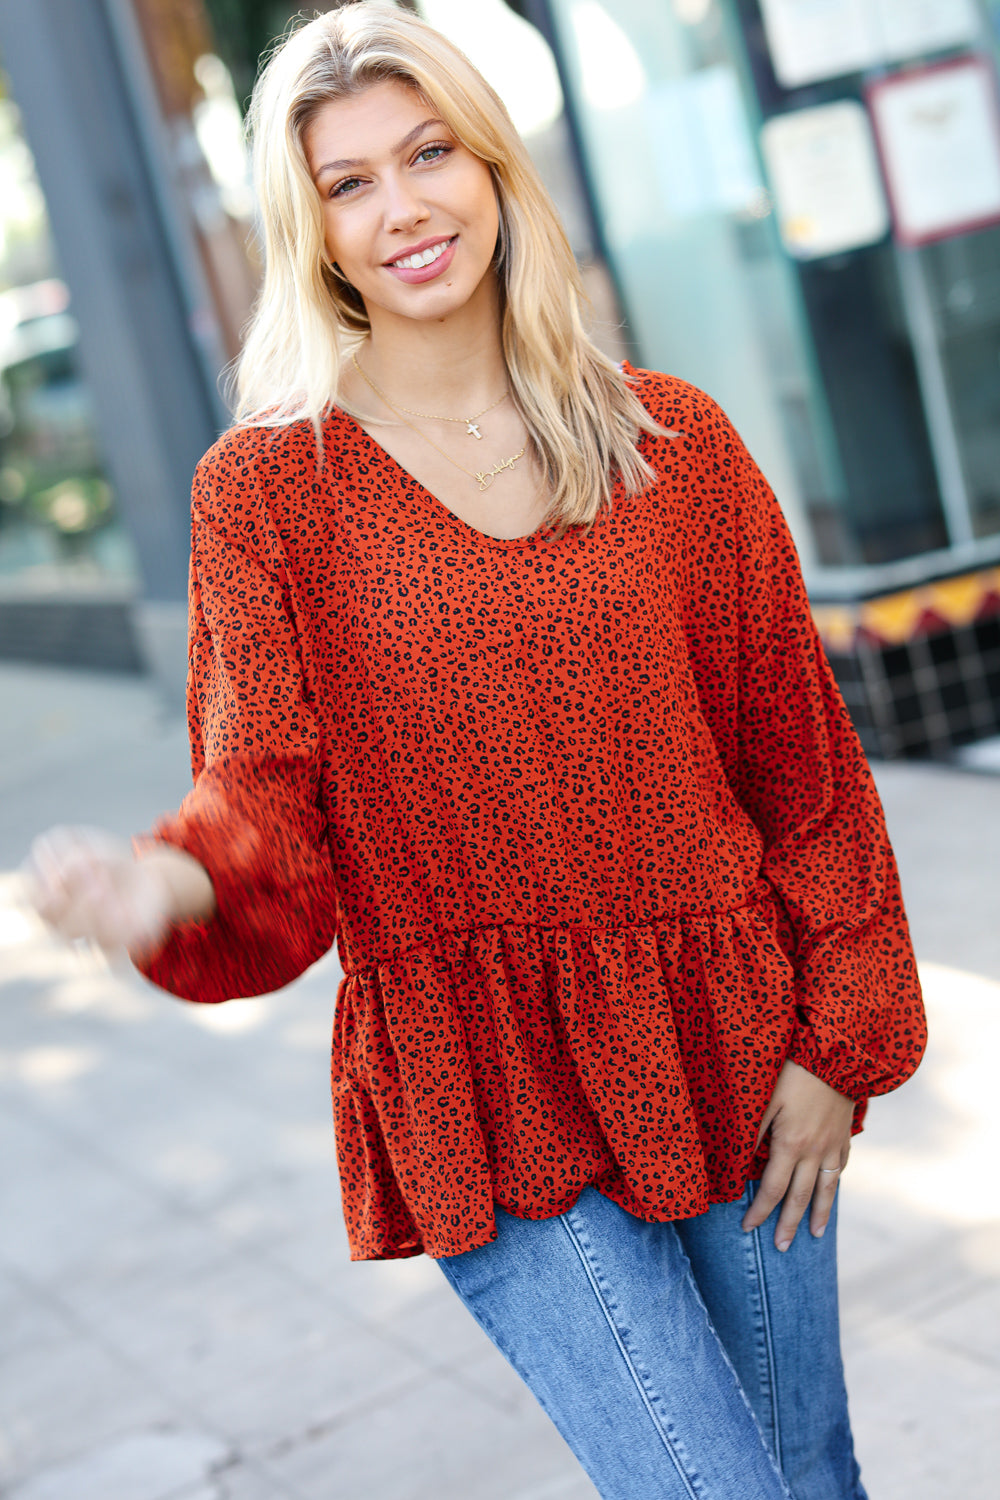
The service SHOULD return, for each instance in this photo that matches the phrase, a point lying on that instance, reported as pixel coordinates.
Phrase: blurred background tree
(245, 30)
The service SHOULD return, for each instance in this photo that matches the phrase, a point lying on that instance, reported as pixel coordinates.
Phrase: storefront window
(962, 281)
(58, 521)
(685, 212)
(755, 222)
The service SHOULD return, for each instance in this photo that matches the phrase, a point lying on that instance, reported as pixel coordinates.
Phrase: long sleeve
(795, 765)
(253, 818)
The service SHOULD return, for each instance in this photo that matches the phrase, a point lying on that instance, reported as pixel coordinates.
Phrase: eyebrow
(362, 161)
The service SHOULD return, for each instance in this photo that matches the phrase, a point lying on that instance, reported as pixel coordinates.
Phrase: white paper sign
(912, 27)
(939, 131)
(825, 179)
(811, 39)
(814, 39)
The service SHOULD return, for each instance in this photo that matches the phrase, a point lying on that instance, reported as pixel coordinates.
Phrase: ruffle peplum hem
(533, 1061)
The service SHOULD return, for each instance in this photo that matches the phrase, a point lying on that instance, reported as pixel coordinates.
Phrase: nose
(402, 207)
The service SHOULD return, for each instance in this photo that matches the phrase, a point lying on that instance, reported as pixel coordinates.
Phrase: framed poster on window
(823, 169)
(910, 28)
(814, 39)
(938, 131)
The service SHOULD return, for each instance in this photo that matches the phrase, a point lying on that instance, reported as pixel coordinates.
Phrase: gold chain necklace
(471, 429)
(485, 477)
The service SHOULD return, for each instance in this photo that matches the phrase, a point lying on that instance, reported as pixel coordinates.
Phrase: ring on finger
(831, 1169)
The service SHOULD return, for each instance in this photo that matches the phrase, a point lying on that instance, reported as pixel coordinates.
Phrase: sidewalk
(179, 1319)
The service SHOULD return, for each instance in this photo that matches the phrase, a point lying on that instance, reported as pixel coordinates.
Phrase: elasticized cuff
(263, 934)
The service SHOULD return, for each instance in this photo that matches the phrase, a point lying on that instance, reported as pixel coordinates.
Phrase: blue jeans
(677, 1360)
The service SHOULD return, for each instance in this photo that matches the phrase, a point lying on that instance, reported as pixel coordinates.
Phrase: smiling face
(410, 214)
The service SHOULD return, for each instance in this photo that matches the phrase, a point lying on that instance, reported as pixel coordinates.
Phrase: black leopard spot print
(585, 816)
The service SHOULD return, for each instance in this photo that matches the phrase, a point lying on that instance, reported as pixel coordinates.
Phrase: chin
(443, 302)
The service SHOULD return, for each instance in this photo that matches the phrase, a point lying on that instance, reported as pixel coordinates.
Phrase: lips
(421, 255)
(425, 261)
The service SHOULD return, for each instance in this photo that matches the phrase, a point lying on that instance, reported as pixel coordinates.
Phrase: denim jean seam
(760, 1275)
(576, 1239)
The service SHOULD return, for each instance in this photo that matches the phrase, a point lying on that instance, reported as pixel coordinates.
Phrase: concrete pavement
(178, 1319)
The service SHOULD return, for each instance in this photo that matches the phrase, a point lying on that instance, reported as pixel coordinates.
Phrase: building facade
(793, 204)
(800, 207)
(125, 275)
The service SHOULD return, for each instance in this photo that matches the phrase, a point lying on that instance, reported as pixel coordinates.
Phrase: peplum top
(584, 815)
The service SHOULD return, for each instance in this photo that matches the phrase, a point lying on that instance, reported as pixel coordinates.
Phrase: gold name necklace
(484, 477)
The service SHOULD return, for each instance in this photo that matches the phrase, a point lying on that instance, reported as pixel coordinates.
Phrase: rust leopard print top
(586, 818)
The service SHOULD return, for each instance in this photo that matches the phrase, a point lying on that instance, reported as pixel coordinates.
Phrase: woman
(503, 675)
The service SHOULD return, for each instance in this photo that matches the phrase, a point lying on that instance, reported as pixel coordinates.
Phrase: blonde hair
(582, 417)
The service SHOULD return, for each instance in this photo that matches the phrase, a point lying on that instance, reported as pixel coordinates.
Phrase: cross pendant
(472, 430)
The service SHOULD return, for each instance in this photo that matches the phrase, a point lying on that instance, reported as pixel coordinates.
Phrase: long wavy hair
(582, 418)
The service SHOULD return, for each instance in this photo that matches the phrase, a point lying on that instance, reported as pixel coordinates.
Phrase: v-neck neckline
(438, 507)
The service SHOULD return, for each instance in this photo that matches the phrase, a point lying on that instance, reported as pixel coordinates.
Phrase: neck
(455, 364)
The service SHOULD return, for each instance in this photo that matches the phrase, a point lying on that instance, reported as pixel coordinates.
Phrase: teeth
(425, 258)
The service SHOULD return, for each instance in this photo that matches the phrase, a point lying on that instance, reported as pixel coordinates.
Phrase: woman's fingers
(795, 1184)
(802, 1190)
(810, 1125)
(69, 883)
(775, 1183)
(824, 1192)
(62, 860)
(827, 1183)
(86, 884)
(810, 1184)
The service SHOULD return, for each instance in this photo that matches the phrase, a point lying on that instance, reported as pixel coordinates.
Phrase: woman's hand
(810, 1125)
(87, 885)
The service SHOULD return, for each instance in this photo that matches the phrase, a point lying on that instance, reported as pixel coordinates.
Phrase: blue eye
(432, 153)
(346, 186)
